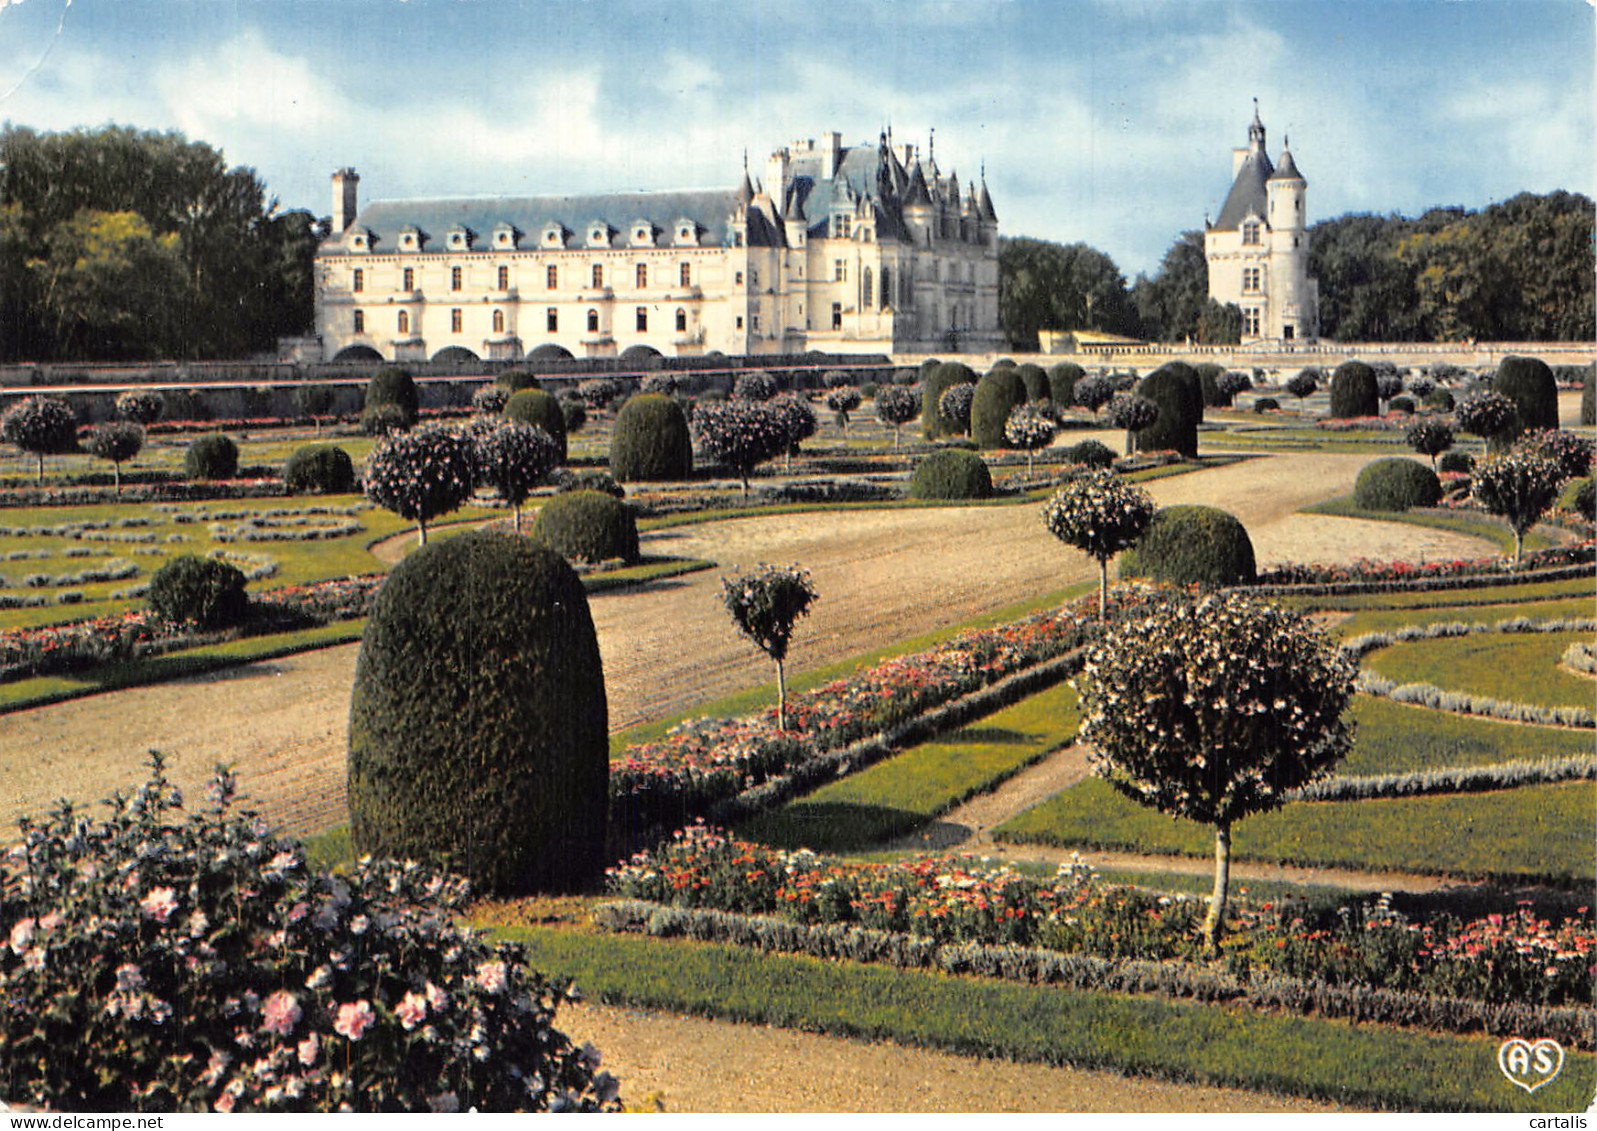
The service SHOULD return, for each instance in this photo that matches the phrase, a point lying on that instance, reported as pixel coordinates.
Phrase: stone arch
(357, 353)
(640, 353)
(455, 355)
(550, 352)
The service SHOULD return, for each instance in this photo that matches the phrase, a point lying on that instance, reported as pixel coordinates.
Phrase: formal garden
(1207, 801)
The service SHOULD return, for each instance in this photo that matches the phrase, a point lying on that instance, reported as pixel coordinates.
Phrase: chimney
(776, 177)
(1238, 156)
(831, 145)
(346, 194)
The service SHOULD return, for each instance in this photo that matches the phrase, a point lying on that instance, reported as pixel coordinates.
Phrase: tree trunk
(421, 530)
(1103, 588)
(116, 471)
(895, 437)
(518, 518)
(781, 697)
(40, 478)
(1519, 544)
(1222, 882)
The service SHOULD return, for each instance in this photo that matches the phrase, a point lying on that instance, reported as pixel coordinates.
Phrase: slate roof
(1248, 193)
(1287, 170)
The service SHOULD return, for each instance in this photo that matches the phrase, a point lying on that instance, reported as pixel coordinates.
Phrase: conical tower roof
(916, 195)
(984, 204)
(1287, 170)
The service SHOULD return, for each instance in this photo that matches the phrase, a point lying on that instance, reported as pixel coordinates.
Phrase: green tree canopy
(1050, 286)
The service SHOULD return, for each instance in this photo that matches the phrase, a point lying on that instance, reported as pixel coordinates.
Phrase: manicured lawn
(1394, 738)
(1534, 591)
(1517, 667)
(1518, 834)
(1333, 1060)
(1377, 620)
(906, 792)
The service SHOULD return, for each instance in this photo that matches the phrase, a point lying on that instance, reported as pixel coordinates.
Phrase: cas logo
(1530, 1065)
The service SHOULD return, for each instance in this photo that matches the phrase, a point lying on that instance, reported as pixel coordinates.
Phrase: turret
(1286, 188)
(346, 199)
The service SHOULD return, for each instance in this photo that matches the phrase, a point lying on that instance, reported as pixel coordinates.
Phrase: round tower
(1293, 312)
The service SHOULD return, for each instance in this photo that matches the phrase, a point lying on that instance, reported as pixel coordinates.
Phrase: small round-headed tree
(392, 402)
(1100, 514)
(1573, 453)
(541, 410)
(649, 441)
(41, 426)
(953, 410)
(835, 379)
(1214, 711)
(797, 421)
(1133, 413)
(1062, 379)
(1429, 437)
(935, 382)
(755, 385)
(765, 605)
(422, 474)
(1354, 391)
(1388, 382)
(897, 405)
(117, 441)
(842, 401)
(513, 459)
(1092, 393)
(1529, 383)
(997, 394)
(739, 434)
(1491, 416)
(478, 723)
(1030, 428)
(1520, 487)
(315, 402)
(1303, 384)
(1174, 387)
(141, 406)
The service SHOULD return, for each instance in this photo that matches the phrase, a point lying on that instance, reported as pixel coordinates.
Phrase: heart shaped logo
(1530, 1065)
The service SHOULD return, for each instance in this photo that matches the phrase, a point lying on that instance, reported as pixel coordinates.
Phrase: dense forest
(117, 244)
(1521, 270)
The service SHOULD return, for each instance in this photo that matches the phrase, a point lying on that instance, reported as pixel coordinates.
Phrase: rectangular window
(1250, 232)
(840, 225)
(643, 318)
(737, 279)
(359, 282)
(551, 276)
(1250, 280)
(598, 274)
(409, 279)
(740, 322)
(455, 321)
(682, 321)
(551, 320)
(839, 270)
(1250, 321)
(360, 321)
(643, 276)
(456, 278)
(504, 278)
(837, 316)
(685, 274)
(754, 323)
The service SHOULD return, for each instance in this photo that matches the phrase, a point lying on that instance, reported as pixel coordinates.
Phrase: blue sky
(1108, 122)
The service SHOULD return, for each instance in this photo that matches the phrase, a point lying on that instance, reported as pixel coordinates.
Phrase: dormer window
(554, 236)
(687, 233)
(360, 240)
(506, 237)
(410, 240)
(642, 234)
(599, 234)
(841, 226)
(460, 238)
(1250, 232)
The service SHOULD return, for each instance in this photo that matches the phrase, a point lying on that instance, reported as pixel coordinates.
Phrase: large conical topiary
(997, 394)
(650, 440)
(1175, 388)
(478, 725)
(937, 381)
(1529, 383)
(1354, 391)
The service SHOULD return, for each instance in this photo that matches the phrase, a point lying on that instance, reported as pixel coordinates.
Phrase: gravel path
(882, 574)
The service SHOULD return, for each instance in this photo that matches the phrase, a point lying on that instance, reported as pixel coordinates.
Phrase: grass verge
(1515, 835)
(1577, 587)
(1513, 666)
(904, 793)
(1394, 738)
(1328, 1060)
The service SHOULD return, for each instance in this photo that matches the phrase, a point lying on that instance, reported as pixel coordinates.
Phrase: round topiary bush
(756, 386)
(200, 591)
(1354, 391)
(1439, 399)
(541, 410)
(952, 473)
(1035, 380)
(478, 725)
(1091, 453)
(1457, 462)
(512, 381)
(1396, 484)
(650, 440)
(1174, 387)
(939, 379)
(997, 395)
(211, 457)
(490, 400)
(319, 469)
(573, 413)
(1266, 404)
(1192, 545)
(142, 406)
(1402, 404)
(1529, 383)
(392, 402)
(1062, 380)
(588, 526)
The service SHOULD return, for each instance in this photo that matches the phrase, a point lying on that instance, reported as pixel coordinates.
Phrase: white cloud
(246, 87)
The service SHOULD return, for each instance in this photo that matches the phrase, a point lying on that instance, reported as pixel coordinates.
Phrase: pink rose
(491, 976)
(354, 1019)
(21, 935)
(159, 904)
(437, 997)
(281, 1013)
(309, 1048)
(412, 1011)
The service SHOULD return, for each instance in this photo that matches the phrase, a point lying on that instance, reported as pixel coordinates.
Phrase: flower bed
(177, 490)
(1365, 576)
(1499, 959)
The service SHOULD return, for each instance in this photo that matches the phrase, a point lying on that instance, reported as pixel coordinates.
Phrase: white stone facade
(1258, 249)
(862, 249)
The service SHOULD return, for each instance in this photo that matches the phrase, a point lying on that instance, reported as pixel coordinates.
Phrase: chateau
(1258, 250)
(844, 249)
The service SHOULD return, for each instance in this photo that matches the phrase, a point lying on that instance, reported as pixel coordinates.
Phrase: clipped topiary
(211, 457)
(319, 469)
(1439, 399)
(201, 591)
(1174, 387)
(1209, 384)
(1354, 391)
(40, 426)
(478, 724)
(1192, 545)
(392, 402)
(997, 395)
(1091, 453)
(1035, 380)
(1266, 404)
(588, 526)
(1062, 380)
(1588, 399)
(141, 406)
(1461, 463)
(1396, 484)
(755, 386)
(650, 441)
(938, 380)
(1529, 383)
(573, 413)
(952, 473)
(512, 381)
(541, 410)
